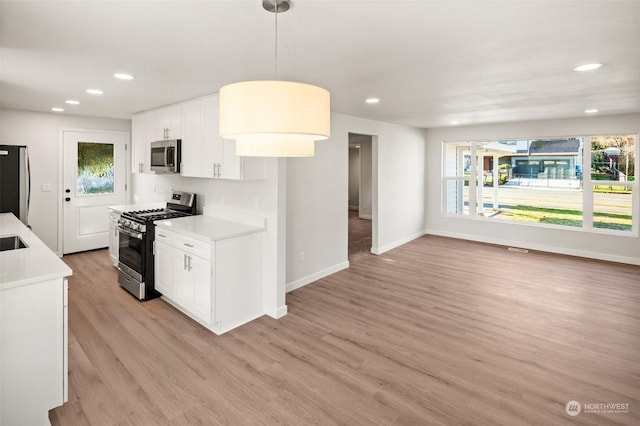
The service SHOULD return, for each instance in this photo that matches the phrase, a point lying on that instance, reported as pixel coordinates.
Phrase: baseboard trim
(316, 276)
(398, 243)
(538, 247)
(366, 216)
(276, 313)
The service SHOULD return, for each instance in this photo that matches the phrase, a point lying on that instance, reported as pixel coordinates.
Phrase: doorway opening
(360, 195)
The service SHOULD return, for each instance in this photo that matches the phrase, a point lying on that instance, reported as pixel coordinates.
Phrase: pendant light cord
(276, 37)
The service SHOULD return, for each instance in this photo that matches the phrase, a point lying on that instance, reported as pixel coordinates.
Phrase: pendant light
(272, 118)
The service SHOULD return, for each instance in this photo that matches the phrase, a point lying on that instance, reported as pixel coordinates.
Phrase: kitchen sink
(11, 243)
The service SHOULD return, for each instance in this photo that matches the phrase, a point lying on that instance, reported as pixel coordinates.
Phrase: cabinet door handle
(188, 245)
(219, 170)
(185, 262)
(162, 235)
(189, 263)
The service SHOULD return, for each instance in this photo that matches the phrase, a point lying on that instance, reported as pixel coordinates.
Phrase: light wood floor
(359, 235)
(438, 331)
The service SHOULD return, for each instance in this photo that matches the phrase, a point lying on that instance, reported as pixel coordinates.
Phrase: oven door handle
(136, 235)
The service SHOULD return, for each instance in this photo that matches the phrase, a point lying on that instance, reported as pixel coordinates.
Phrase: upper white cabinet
(168, 123)
(204, 153)
(143, 132)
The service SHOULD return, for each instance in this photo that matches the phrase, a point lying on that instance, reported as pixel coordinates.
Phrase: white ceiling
(430, 62)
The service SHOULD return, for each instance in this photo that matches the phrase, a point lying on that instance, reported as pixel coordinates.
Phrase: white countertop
(132, 207)
(29, 265)
(207, 228)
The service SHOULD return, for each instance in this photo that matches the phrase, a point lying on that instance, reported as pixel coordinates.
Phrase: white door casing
(85, 222)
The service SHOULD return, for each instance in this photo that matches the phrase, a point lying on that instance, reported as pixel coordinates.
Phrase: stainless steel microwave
(166, 156)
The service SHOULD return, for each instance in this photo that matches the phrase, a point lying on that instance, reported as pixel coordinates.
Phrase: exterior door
(94, 178)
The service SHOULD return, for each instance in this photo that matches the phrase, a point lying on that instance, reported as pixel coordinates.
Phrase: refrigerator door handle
(28, 165)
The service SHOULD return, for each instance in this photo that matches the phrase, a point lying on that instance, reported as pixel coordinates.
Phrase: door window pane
(95, 168)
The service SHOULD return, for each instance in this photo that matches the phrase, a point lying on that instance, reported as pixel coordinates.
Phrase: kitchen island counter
(33, 327)
(28, 265)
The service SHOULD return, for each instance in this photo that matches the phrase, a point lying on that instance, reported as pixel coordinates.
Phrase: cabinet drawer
(164, 235)
(184, 243)
(193, 246)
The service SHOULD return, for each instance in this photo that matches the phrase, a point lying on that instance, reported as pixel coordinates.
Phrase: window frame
(587, 183)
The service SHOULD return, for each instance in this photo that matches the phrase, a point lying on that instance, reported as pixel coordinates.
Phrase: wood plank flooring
(359, 235)
(438, 331)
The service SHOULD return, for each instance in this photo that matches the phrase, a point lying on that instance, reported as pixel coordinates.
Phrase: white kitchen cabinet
(192, 281)
(204, 153)
(114, 237)
(183, 276)
(163, 268)
(216, 280)
(143, 132)
(33, 328)
(168, 122)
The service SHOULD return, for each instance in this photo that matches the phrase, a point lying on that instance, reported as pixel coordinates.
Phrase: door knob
(67, 190)
(67, 199)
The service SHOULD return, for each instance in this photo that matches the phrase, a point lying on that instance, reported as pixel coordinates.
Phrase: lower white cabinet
(114, 237)
(216, 282)
(33, 351)
(192, 283)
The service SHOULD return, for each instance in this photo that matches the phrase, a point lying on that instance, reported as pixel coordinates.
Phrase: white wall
(574, 242)
(317, 196)
(260, 197)
(40, 132)
(366, 178)
(354, 177)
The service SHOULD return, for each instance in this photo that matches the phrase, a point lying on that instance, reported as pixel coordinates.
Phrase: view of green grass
(565, 217)
(612, 189)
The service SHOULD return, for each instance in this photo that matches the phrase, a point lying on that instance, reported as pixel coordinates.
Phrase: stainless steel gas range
(137, 232)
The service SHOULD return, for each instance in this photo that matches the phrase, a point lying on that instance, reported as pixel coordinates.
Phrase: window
(95, 168)
(541, 181)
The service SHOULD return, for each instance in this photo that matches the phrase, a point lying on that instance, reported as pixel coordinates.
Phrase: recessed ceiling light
(72, 102)
(56, 109)
(122, 76)
(587, 67)
(455, 122)
(372, 100)
(95, 91)
(590, 111)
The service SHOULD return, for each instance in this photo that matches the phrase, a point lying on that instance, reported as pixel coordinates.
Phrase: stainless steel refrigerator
(15, 181)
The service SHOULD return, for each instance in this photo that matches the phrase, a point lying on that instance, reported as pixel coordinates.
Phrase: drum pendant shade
(274, 118)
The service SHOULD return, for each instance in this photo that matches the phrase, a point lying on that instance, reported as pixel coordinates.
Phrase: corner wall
(40, 133)
(565, 241)
(317, 197)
